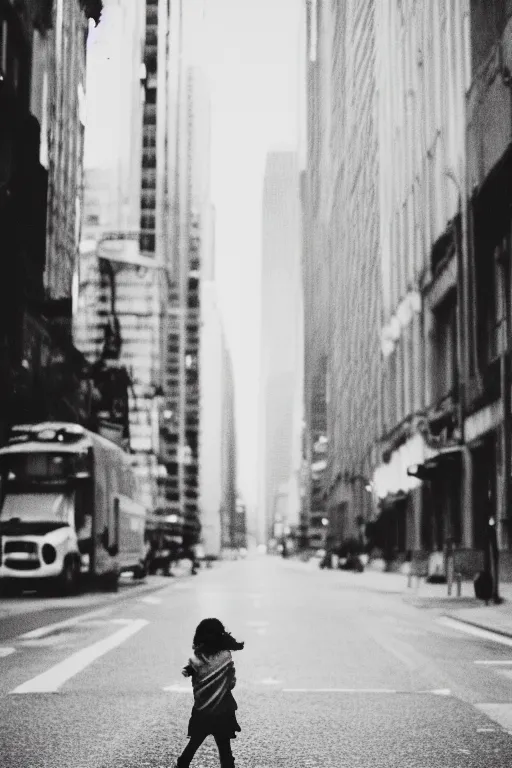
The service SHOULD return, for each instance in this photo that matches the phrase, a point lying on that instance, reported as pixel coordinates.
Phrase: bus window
(83, 510)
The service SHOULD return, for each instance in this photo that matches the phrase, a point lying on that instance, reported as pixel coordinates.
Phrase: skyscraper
(148, 211)
(117, 322)
(281, 340)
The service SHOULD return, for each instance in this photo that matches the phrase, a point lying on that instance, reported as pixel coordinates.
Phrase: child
(213, 678)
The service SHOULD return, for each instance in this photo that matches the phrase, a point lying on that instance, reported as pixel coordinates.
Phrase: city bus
(69, 510)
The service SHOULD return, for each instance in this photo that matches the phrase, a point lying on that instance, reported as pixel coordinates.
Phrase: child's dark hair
(211, 636)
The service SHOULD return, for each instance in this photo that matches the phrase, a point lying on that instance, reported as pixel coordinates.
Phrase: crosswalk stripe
(51, 680)
(46, 630)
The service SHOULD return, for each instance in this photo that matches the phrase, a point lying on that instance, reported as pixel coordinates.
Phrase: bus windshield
(23, 470)
(34, 508)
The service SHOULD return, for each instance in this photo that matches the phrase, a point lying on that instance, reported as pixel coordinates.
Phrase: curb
(113, 598)
(476, 625)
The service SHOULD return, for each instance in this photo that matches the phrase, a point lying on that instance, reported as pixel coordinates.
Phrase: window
(445, 377)
(499, 322)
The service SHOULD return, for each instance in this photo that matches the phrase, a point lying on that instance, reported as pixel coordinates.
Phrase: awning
(392, 500)
(444, 457)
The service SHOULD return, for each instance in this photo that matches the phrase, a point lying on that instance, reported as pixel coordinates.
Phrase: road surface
(331, 675)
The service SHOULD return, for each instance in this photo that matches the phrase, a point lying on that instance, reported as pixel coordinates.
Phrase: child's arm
(231, 676)
(188, 670)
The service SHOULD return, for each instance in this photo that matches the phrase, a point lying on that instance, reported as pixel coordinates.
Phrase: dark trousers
(223, 745)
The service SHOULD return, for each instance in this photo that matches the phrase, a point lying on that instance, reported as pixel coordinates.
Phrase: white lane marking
(339, 690)
(44, 642)
(178, 688)
(51, 680)
(49, 628)
(469, 629)
(269, 681)
(6, 652)
(486, 730)
(497, 663)
(120, 621)
(438, 692)
(500, 713)
(151, 600)
(463, 751)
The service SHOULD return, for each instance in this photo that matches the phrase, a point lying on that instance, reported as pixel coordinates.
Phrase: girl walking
(213, 678)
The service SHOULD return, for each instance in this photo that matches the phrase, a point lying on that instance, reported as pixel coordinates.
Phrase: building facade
(116, 324)
(41, 128)
(315, 281)
(487, 282)
(352, 210)
(217, 434)
(341, 267)
(281, 358)
(175, 230)
(233, 514)
(423, 75)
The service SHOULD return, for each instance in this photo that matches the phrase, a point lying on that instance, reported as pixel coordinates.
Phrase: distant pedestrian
(213, 678)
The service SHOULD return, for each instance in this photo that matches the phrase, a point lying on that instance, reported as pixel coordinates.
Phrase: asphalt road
(331, 675)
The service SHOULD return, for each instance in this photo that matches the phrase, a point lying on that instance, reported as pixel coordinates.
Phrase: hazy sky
(253, 55)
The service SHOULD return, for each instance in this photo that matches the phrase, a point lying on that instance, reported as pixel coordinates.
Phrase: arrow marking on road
(6, 652)
(51, 680)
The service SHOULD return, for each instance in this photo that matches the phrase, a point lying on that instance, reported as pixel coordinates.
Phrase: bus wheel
(140, 572)
(111, 581)
(69, 578)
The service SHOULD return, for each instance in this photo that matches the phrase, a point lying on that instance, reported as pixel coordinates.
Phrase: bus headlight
(49, 554)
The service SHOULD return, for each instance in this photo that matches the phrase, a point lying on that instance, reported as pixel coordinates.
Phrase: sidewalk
(466, 608)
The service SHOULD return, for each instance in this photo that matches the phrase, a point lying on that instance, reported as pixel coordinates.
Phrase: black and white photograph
(255, 383)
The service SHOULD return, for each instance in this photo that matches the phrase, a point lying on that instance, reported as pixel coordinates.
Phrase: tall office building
(281, 358)
(175, 231)
(217, 434)
(342, 276)
(117, 322)
(42, 77)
